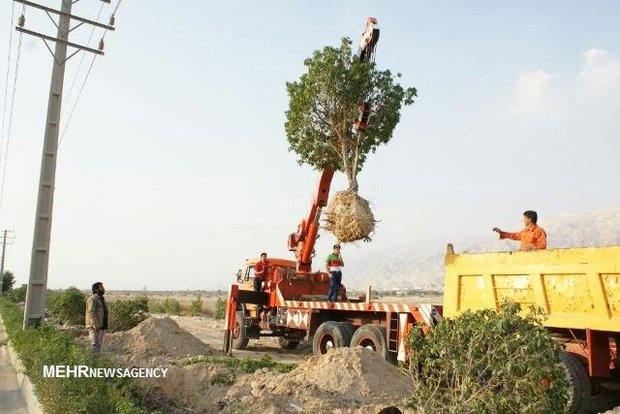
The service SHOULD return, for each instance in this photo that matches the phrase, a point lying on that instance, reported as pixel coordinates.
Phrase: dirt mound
(157, 337)
(349, 217)
(198, 386)
(352, 380)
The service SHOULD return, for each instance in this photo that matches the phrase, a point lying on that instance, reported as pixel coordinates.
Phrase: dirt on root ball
(349, 217)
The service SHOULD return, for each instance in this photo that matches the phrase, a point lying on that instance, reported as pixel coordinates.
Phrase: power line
(92, 62)
(62, 135)
(77, 72)
(6, 81)
(11, 111)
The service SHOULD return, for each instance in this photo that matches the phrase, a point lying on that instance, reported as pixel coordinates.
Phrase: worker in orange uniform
(334, 267)
(532, 237)
(260, 272)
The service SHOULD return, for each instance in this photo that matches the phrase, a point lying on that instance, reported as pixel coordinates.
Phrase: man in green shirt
(334, 267)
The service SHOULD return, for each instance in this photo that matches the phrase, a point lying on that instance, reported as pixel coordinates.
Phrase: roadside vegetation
(47, 346)
(245, 365)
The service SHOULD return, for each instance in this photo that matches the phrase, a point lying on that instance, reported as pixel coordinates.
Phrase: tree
(324, 105)
(8, 280)
(487, 361)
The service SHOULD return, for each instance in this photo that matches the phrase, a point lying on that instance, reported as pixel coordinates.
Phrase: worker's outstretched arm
(507, 235)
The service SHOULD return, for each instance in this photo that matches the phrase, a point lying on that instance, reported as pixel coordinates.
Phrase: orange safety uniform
(534, 236)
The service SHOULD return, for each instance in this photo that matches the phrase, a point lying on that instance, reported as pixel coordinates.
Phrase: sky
(174, 166)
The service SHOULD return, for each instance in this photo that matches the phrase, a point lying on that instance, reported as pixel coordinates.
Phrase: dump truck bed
(578, 288)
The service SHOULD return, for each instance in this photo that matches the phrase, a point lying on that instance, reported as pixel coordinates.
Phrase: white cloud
(535, 95)
(548, 96)
(600, 75)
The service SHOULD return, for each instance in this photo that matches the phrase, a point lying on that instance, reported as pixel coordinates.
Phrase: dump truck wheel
(288, 343)
(240, 339)
(371, 337)
(330, 335)
(579, 392)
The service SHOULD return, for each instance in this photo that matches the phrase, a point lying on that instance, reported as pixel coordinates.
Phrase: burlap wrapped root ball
(349, 217)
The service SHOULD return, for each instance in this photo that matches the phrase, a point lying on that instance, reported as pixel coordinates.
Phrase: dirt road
(211, 332)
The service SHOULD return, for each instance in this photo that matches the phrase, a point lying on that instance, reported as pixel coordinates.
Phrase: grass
(246, 365)
(45, 345)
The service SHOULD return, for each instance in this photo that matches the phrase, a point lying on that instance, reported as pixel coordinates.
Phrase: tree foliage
(487, 362)
(8, 280)
(68, 306)
(128, 313)
(324, 105)
(220, 308)
(195, 307)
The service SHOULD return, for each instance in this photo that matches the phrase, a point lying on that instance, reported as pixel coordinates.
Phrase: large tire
(288, 343)
(330, 335)
(348, 329)
(372, 337)
(240, 339)
(580, 387)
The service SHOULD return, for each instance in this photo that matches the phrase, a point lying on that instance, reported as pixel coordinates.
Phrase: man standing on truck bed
(260, 272)
(334, 267)
(533, 237)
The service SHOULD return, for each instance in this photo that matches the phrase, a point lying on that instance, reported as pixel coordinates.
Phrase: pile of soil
(157, 337)
(345, 380)
(349, 217)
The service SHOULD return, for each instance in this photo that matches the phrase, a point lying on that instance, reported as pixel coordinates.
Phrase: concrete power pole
(36, 295)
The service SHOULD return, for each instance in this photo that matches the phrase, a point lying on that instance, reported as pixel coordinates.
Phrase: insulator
(21, 21)
(112, 20)
(101, 44)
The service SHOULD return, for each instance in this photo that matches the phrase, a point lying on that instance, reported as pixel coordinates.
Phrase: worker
(532, 237)
(96, 317)
(260, 272)
(334, 267)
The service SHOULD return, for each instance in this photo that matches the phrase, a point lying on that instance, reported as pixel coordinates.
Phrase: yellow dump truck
(579, 290)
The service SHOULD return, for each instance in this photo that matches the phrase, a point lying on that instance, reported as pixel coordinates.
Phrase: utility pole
(36, 295)
(4, 242)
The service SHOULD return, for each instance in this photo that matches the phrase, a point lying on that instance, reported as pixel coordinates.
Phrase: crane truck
(293, 303)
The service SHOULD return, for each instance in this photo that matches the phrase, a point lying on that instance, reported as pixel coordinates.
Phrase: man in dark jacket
(96, 316)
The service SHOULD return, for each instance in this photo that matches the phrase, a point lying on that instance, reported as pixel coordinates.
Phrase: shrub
(8, 280)
(195, 307)
(171, 306)
(487, 361)
(45, 345)
(155, 306)
(220, 308)
(19, 294)
(68, 306)
(126, 314)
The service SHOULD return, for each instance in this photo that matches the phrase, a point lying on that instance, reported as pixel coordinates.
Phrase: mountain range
(420, 265)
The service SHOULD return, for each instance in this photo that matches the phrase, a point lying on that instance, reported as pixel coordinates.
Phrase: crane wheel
(239, 336)
(348, 331)
(330, 335)
(288, 343)
(579, 392)
(371, 337)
